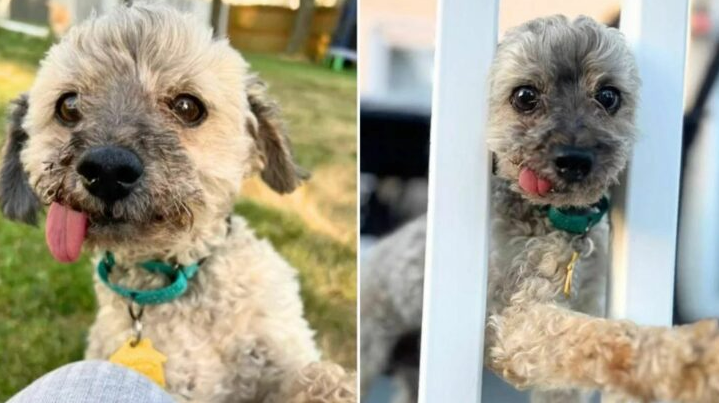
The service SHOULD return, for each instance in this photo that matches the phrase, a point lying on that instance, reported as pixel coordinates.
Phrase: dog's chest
(231, 337)
(202, 360)
(530, 263)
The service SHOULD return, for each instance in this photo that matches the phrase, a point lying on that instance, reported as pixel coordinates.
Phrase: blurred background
(397, 47)
(306, 51)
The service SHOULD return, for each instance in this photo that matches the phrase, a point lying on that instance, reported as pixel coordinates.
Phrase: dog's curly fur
(238, 334)
(536, 338)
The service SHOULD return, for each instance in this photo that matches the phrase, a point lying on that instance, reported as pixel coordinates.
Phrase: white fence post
(697, 275)
(457, 233)
(644, 214)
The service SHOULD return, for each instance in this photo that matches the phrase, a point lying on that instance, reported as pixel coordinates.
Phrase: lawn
(46, 307)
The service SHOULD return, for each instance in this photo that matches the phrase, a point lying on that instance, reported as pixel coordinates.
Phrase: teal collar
(177, 274)
(578, 220)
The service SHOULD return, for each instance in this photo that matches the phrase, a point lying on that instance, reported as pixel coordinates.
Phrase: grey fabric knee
(92, 381)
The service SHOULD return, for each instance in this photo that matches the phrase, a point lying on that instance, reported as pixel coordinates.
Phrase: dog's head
(139, 123)
(563, 96)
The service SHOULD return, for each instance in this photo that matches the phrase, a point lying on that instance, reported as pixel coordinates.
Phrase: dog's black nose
(573, 164)
(110, 172)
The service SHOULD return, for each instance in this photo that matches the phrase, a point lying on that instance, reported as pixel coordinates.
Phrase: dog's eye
(609, 98)
(525, 99)
(189, 109)
(67, 109)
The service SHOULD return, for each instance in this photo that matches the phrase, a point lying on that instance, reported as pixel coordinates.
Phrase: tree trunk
(215, 22)
(303, 25)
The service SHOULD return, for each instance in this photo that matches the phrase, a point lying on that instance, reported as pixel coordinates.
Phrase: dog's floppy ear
(17, 199)
(279, 170)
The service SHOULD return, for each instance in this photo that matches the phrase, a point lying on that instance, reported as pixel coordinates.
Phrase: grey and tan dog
(138, 132)
(562, 101)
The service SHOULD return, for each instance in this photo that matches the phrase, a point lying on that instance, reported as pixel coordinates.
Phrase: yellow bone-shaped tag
(142, 358)
(570, 274)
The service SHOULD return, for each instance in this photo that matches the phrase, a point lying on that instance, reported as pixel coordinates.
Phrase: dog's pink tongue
(64, 233)
(532, 184)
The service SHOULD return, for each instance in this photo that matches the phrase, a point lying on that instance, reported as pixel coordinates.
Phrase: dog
(561, 126)
(137, 132)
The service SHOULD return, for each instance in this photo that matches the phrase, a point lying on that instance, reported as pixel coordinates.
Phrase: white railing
(457, 231)
(697, 274)
(645, 216)
(644, 211)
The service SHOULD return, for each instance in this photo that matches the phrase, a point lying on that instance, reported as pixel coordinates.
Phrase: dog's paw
(690, 361)
(706, 346)
(322, 382)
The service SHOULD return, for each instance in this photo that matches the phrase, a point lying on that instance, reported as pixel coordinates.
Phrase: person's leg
(92, 381)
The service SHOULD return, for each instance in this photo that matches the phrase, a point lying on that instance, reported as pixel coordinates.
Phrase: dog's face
(141, 123)
(562, 101)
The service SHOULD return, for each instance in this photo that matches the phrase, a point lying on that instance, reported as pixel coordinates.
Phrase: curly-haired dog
(562, 101)
(137, 132)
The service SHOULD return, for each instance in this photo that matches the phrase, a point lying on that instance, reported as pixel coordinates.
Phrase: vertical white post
(458, 215)
(697, 275)
(645, 214)
(377, 64)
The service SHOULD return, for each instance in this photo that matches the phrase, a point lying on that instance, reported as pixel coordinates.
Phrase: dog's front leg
(320, 382)
(544, 346)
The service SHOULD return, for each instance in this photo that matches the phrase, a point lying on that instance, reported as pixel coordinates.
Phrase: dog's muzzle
(110, 173)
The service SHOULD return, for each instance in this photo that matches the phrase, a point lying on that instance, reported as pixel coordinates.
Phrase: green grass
(47, 307)
(19, 55)
(22, 48)
(318, 104)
